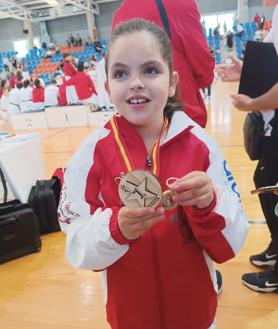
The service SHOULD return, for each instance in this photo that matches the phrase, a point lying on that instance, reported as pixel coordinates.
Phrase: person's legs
(267, 174)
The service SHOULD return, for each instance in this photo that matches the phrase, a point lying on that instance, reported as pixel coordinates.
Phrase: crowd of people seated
(74, 82)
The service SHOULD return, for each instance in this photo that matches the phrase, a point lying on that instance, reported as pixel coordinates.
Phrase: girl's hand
(133, 222)
(193, 189)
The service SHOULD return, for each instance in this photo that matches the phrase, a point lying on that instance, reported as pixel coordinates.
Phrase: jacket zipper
(158, 281)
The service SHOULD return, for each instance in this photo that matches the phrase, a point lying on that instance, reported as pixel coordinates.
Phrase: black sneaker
(266, 281)
(267, 258)
(219, 281)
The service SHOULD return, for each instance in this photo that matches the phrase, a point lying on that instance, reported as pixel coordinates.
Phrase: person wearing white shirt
(4, 102)
(51, 94)
(103, 99)
(15, 99)
(26, 96)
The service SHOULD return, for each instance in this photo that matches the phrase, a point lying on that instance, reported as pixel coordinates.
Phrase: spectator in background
(85, 88)
(230, 40)
(88, 42)
(78, 41)
(70, 71)
(44, 46)
(26, 94)
(216, 32)
(19, 76)
(4, 102)
(14, 62)
(12, 79)
(51, 94)
(68, 42)
(261, 22)
(15, 99)
(98, 46)
(72, 40)
(257, 19)
(103, 98)
(191, 55)
(239, 31)
(61, 82)
(38, 95)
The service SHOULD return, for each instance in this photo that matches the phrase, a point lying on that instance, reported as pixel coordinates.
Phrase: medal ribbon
(123, 151)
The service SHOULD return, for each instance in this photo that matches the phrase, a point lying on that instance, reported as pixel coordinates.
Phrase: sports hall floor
(41, 291)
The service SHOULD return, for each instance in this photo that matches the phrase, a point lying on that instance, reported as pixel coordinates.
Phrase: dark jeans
(266, 174)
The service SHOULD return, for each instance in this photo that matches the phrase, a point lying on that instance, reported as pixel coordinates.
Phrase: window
(21, 46)
(211, 21)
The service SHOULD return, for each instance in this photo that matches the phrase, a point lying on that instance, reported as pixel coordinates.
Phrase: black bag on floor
(19, 228)
(44, 200)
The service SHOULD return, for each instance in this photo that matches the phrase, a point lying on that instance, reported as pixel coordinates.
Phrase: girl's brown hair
(139, 25)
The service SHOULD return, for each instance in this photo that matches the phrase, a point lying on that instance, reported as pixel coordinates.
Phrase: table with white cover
(21, 160)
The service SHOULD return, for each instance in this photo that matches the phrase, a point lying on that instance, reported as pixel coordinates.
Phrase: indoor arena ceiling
(41, 10)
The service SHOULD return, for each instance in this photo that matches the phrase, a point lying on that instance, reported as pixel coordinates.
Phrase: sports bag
(19, 228)
(44, 200)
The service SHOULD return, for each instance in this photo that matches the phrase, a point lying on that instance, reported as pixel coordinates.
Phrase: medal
(141, 188)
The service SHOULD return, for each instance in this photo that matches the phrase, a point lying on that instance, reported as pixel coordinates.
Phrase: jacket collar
(180, 124)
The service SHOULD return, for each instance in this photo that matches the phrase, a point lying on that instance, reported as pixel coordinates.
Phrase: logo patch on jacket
(231, 180)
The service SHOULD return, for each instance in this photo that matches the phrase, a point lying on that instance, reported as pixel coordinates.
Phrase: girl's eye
(151, 70)
(120, 74)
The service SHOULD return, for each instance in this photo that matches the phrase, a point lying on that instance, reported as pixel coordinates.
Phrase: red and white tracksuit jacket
(164, 279)
(191, 56)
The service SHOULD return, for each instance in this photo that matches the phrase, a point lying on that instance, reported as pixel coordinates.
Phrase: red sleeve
(73, 69)
(91, 85)
(115, 230)
(207, 228)
(195, 47)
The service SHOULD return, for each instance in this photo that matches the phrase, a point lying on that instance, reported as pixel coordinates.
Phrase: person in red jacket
(151, 217)
(62, 93)
(70, 71)
(69, 68)
(38, 96)
(191, 55)
(85, 88)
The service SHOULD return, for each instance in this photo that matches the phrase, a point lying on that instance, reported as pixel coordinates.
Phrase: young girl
(156, 262)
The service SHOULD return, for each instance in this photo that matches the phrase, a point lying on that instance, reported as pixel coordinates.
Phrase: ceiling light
(53, 3)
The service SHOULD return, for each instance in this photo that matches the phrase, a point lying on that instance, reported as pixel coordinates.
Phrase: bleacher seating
(9, 55)
(215, 43)
(45, 68)
(249, 31)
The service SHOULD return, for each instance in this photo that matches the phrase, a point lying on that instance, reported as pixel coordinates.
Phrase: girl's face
(139, 80)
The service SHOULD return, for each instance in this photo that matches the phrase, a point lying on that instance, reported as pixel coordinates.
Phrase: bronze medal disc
(166, 200)
(140, 188)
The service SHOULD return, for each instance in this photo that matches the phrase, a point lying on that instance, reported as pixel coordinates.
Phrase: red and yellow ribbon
(123, 149)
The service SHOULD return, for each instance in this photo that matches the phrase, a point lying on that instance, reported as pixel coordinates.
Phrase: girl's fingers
(200, 202)
(190, 183)
(190, 195)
